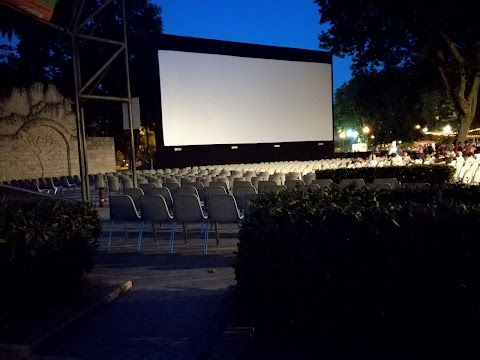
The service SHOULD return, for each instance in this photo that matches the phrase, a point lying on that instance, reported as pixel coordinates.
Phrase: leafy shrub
(351, 257)
(46, 247)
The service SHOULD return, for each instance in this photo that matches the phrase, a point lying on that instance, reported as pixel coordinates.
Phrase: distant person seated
(393, 148)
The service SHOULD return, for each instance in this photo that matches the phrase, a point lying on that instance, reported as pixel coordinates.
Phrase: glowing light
(425, 129)
(342, 135)
(352, 133)
(366, 130)
(447, 129)
(417, 127)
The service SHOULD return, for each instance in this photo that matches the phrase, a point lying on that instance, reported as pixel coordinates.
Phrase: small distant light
(177, 149)
(234, 147)
(320, 144)
(277, 146)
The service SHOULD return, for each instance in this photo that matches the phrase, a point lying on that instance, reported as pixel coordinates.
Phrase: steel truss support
(82, 92)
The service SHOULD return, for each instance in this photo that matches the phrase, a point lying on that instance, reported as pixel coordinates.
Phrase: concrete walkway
(177, 308)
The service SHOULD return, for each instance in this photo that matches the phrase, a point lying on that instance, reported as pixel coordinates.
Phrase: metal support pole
(129, 95)
(80, 125)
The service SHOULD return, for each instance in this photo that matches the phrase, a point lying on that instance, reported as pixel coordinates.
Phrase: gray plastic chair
(123, 209)
(240, 192)
(212, 190)
(136, 194)
(187, 209)
(167, 195)
(155, 210)
(223, 210)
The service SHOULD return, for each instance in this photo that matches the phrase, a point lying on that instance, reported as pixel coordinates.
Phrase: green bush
(352, 257)
(46, 247)
(432, 174)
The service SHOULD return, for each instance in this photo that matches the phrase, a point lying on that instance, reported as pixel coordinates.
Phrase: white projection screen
(209, 98)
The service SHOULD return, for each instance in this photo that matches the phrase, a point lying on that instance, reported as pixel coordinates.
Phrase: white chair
(476, 177)
(155, 210)
(467, 177)
(122, 208)
(223, 209)
(187, 209)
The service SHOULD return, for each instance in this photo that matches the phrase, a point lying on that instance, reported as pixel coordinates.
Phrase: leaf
(395, 222)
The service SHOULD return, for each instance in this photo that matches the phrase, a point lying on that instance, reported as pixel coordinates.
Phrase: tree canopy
(385, 35)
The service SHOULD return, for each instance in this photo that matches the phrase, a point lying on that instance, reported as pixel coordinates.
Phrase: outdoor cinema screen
(244, 94)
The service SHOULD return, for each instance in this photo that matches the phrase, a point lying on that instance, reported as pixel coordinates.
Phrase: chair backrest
(292, 183)
(352, 182)
(113, 184)
(218, 183)
(380, 185)
(187, 190)
(323, 182)
(467, 177)
(263, 183)
(122, 208)
(172, 186)
(146, 187)
(274, 188)
(223, 209)
(155, 208)
(308, 178)
(167, 195)
(187, 208)
(240, 192)
(392, 181)
(476, 176)
(136, 194)
(311, 187)
(199, 186)
(156, 181)
(212, 190)
(127, 183)
(239, 183)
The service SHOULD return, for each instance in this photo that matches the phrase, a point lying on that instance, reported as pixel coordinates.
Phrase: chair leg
(216, 233)
(172, 235)
(140, 233)
(185, 232)
(205, 239)
(110, 237)
(154, 231)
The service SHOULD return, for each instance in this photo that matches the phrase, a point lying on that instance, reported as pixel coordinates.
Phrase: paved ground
(177, 308)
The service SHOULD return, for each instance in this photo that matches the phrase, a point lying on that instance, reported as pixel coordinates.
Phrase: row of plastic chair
(187, 209)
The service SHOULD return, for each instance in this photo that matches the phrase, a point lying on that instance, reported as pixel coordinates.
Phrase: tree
(381, 34)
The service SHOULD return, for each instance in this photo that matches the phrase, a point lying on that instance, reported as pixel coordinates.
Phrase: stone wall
(38, 137)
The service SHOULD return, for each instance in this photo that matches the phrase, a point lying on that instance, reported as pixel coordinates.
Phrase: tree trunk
(465, 123)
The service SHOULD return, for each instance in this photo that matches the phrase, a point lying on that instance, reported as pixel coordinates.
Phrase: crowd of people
(431, 153)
